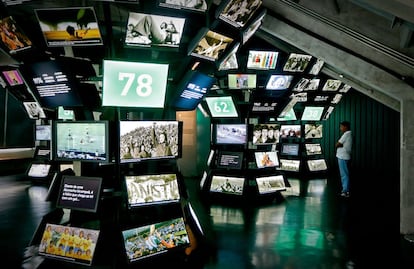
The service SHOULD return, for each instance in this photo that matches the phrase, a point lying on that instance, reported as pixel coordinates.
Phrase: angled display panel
(270, 184)
(55, 243)
(221, 107)
(289, 165)
(230, 159)
(265, 134)
(194, 87)
(279, 82)
(210, 45)
(79, 193)
(312, 113)
(230, 61)
(153, 30)
(242, 81)
(227, 184)
(151, 189)
(252, 27)
(34, 110)
(39, 170)
(155, 239)
(13, 39)
(237, 12)
(132, 84)
(313, 130)
(266, 159)
(291, 130)
(43, 132)
(262, 59)
(228, 133)
(289, 149)
(197, 6)
(74, 26)
(313, 149)
(317, 165)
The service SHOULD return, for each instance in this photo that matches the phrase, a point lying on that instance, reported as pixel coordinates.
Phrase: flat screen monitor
(313, 130)
(210, 45)
(193, 88)
(151, 30)
(290, 131)
(197, 6)
(230, 160)
(72, 26)
(146, 140)
(290, 165)
(232, 185)
(155, 239)
(79, 193)
(53, 83)
(227, 133)
(12, 77)
(279, 82)
(289, 149)
(258, 59)
(39, 170)
(13, 40)
(152, 189)
(266, 159)
(312, 113)
(43, 132)
(297, 62)
(266, 133)
(134, 84)
(242, 81)
(34, 110)
(56, 243)
(313, 149)
(221, 107)
(86, 141)
(317, 165)
(237, 13)
(270, 184)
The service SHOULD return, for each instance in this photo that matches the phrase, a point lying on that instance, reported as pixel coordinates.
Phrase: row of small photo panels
(263, 134)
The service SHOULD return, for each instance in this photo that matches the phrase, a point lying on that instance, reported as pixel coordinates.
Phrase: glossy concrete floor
(309, 226)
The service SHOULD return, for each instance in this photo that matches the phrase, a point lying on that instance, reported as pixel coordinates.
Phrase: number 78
(144, 82)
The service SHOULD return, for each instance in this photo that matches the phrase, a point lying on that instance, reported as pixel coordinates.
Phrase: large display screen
(143, 140)
(266, 159)
(133, 84)
(81, 141)
(154, 239)
(227, 184)
(221, 106)
(53, 83)
(69, 243)
(269, 184)
(230, 159)
(74, 26)
(195, 87)
(227, 133)
(152, 189)
(153, 30)
(79, 193)
(237, 13)
(242, 81)
(264, 134)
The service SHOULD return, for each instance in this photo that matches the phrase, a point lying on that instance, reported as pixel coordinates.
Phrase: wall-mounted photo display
(72, 26)
(210, 45)
(190, 5)
(13, 39)
(332, 85)
(297, 62)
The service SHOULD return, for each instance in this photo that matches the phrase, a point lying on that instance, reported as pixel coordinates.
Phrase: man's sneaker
(345, 194)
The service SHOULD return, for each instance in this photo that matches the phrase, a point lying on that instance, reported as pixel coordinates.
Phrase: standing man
(343, 154)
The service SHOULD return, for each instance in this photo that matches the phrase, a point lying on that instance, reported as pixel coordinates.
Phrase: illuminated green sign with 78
(132, 84)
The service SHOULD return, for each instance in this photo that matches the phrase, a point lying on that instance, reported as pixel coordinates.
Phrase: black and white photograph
(230, 61)
(253, 27)
(12, 36)
(238, 12)
(192, 5)
(153, 30)
(316, 67)
(227, 184)
(332, 85)
(289, 165)
(313, 130)
(34, 110)
(328, 112)
(297, 62)
(150, 189)
(141, 140)
(317, 165)
(266, 133)
(313, 149)
(345, 88)
(211, 46)
(337, 98)
(270, 184)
